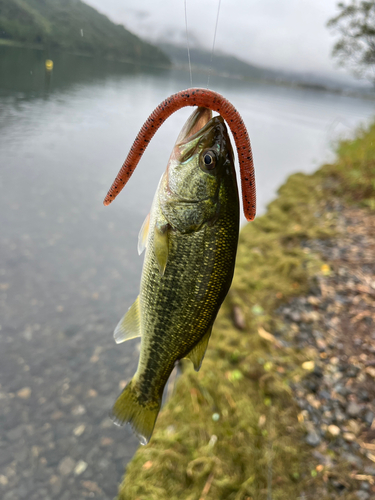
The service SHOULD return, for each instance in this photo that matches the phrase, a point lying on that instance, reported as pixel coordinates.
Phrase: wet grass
(232, 431)
(354, 170)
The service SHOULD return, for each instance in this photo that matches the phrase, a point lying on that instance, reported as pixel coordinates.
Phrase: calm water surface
(69, 267)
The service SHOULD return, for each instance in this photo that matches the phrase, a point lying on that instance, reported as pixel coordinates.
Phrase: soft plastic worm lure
(194, 97)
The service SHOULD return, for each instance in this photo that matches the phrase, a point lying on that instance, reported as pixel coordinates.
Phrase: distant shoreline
(279, 82)
(36, 46)
(198, 69)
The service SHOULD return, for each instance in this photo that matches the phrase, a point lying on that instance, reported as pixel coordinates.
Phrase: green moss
(231, 431)
(354, 170)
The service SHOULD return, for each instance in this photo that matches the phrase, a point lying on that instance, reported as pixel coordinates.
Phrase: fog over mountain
(279, 34)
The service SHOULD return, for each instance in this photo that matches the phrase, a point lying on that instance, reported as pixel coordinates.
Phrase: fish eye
(209, 160)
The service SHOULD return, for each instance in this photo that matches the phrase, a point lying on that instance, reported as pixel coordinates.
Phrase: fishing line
(213, 44)
(188, 47)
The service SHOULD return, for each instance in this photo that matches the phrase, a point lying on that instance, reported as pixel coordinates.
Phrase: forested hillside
(74, 26)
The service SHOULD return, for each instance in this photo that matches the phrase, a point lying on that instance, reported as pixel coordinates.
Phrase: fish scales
(203, 272)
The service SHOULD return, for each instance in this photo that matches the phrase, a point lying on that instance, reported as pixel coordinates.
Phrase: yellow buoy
(49, 65)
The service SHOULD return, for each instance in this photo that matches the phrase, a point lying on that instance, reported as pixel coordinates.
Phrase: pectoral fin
(196, 355)
(129, 326)
(161, 247)
(143, 234)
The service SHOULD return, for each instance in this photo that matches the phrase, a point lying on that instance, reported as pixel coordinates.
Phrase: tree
(355, 48)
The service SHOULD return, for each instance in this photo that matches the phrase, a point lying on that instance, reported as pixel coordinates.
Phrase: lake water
(69, 268)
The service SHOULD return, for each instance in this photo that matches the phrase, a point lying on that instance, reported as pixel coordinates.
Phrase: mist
(279, 34)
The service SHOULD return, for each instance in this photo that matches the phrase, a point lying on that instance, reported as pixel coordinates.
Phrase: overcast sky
(289, 34)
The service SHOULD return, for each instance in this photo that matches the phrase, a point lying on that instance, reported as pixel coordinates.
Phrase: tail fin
(141, 416)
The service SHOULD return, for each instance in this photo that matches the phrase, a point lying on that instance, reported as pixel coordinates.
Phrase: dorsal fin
(129, 326)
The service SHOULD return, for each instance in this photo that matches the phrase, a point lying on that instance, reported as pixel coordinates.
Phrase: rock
(370, 470)
(339, 416)
(24, 393)
(349, 436)
(354, 427)
(352, 371)
(342, 390)
(352, 460)
(323, 459)
(106, 441)
(56, 484)
(66, 466)
(313, 438)
(238, 318)
(80, 468)
(78, 410)
(295, 316)
(334, 430)
(314, 301)
(3, 480)
(362, 495)
(92, 486)
(308, 365)
(353, 409)
(56, 415)
(365, 486)
(79, 430)
(322, 345)
(324, 395)
(363, 395)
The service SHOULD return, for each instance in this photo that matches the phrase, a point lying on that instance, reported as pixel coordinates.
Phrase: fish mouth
(194, 124)
(199, 127)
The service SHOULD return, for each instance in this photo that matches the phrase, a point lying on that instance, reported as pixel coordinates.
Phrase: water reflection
(23, 71)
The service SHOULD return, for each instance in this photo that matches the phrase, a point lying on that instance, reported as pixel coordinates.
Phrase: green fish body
(191, 237)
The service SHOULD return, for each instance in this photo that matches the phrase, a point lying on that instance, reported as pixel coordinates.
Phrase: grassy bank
(232, 430)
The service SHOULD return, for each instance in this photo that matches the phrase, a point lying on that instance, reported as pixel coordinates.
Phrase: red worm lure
(194, 97)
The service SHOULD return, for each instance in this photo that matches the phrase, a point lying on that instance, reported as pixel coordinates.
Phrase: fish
(190, 240)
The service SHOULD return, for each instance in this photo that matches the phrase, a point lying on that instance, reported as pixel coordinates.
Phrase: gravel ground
(336, 323)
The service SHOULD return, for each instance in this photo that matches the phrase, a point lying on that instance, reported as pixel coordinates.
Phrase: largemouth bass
(190, 237)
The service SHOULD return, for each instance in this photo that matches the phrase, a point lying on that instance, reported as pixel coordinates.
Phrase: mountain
(231, 66)
(224, 64)
(74, 26)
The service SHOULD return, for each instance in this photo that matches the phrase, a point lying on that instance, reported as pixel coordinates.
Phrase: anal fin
(196, 355)
(129, 326)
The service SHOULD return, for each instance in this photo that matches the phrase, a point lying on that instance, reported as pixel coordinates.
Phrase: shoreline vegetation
(235, 430)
